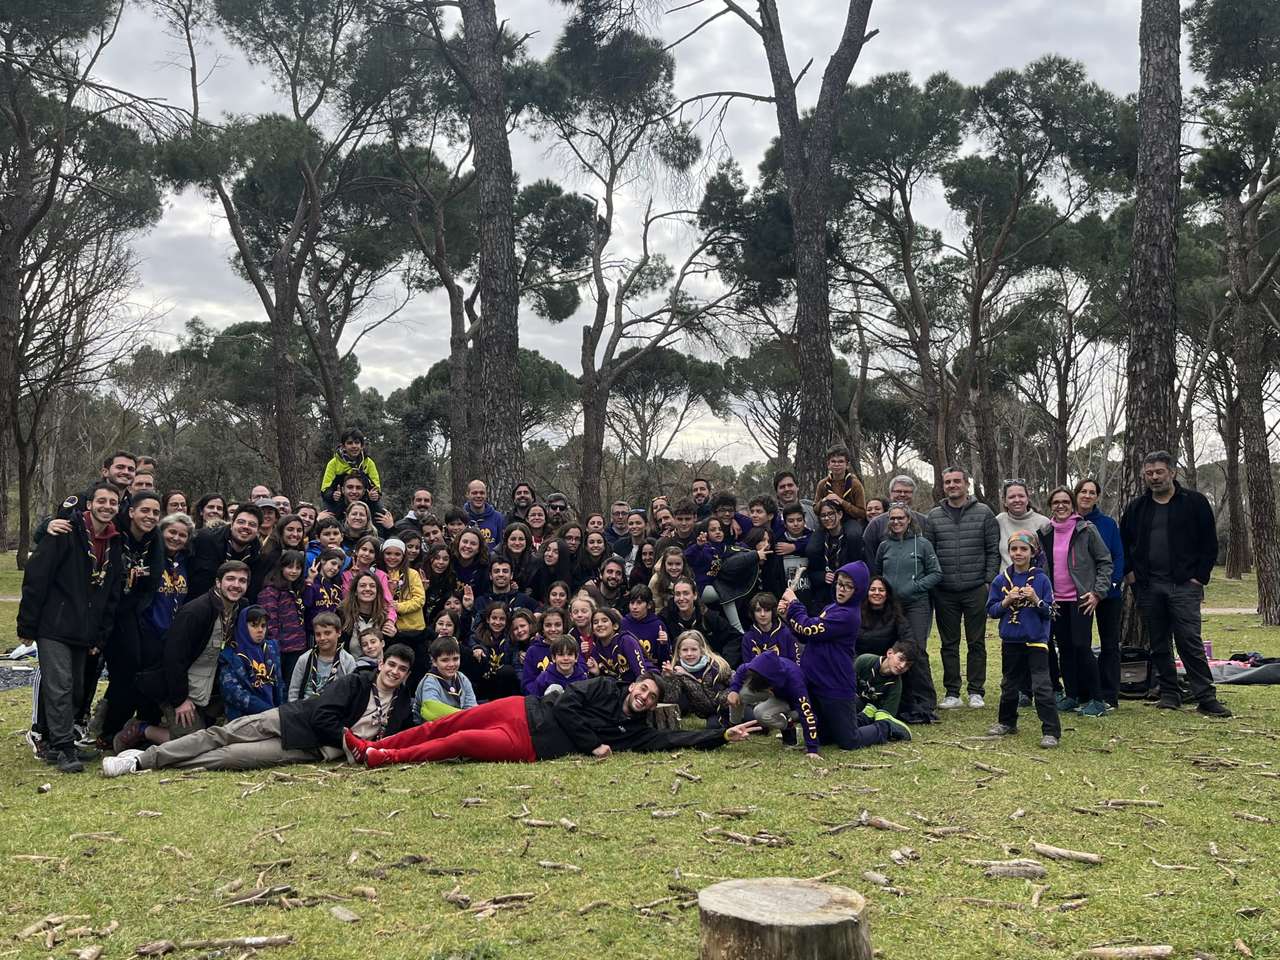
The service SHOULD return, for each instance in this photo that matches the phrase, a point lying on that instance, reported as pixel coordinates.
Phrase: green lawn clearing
(1189, 860)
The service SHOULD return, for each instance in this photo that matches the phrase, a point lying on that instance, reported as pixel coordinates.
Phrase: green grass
(343, 828)
(1222, 592)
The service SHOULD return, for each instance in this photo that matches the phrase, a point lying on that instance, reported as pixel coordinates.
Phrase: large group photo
(886, 562)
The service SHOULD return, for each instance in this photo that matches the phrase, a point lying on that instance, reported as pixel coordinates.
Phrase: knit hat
(1023, 536)
(393, 543)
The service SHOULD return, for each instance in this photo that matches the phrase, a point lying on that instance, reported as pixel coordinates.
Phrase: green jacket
(910, 565)
(874, 687)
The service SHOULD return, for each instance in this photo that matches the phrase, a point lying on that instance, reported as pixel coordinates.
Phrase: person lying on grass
(372, 703)
(594, 717)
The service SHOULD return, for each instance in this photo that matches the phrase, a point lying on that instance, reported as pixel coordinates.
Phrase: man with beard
(237, 540)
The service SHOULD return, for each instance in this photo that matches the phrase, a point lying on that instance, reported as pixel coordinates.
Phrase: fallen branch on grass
(1155, 952)
(160, 947)
(1061, 853)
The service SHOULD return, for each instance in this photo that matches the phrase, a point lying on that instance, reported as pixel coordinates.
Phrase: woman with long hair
(536, 521)
(365, 608)
(409, 597)
(210, 507)
(282, 597)
(883, 623)
(471, 561)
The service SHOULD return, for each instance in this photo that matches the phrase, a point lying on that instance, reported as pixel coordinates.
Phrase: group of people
(243, 633)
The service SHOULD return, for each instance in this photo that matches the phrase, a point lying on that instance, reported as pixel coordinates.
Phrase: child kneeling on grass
(444, 689)
(880, 678)
(775, 689)
(1022, 598)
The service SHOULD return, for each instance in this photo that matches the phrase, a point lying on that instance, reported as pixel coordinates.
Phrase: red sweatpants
(495, 731)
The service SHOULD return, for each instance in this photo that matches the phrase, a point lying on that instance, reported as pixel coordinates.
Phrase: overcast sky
(185, 258)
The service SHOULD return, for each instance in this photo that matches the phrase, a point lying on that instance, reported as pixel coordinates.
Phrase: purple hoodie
(787, 683)
(551, 675)
(646, 631)
(831, 639)
(780, 640)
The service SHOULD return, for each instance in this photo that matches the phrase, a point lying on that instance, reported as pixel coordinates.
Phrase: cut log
(780, 918)
(665, 716)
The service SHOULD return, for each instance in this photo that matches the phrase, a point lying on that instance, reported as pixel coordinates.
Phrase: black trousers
(841, 724)
(1171, 614)
(1027, 667)
(1073, 635)
(1108, 617)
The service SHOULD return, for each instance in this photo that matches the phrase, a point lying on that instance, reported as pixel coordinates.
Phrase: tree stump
(779, 918)
(665, 716)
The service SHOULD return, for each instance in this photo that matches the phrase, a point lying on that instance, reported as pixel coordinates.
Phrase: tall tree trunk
(988, 436)
(1263, 529)
(5, 458)
(813, 340)
(1253, 356)
(1239, 556)
(290, 438)
(1150, 406)
(500, 453)
(10, 325)
(461, 445)
(26, 469)
(594, 399)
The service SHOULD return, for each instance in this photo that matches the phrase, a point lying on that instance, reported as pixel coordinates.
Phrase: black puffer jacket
(62, 599)
(969, 550)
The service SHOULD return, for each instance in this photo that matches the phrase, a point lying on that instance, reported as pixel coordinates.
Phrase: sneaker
(22, 651)
(976, 701)
(950, 703)
(82, 735)
(36, 743)
(869, 711)
(354, 745)
(1214, 708)
(68, 761)
(1048, 742)
(1067, 704)
(374, 757)
(1094, 708)
(1001, 730)
(1024, 701)
(897, 729)
(130, 736)
(124, 762)
(1168, 703)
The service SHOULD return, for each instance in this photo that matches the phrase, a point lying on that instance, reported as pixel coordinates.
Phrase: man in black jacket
(237, 540)
(371, 703)
(1170, 545)
(186, 683)
(594, 717)
(69, 593)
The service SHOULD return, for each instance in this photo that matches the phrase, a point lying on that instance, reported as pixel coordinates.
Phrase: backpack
(1135, 672)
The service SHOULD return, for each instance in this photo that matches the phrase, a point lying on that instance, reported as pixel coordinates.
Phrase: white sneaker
(126, 761)
(22, 650)
(950, 703)
(975, 700)
(35, 743)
